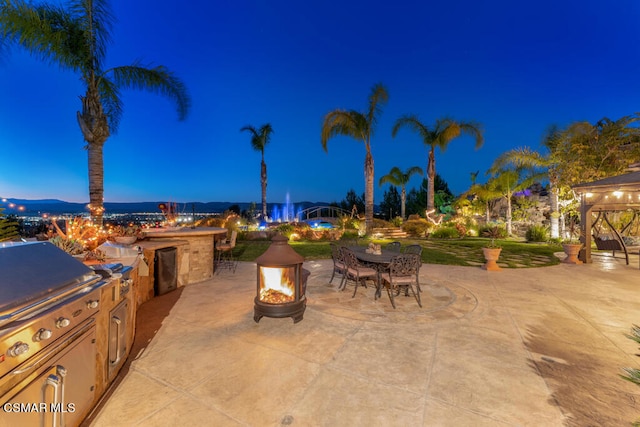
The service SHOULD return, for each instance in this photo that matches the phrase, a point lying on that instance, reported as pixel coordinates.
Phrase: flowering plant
(78, 233)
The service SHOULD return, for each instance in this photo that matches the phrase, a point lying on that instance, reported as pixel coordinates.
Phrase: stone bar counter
(195, 259)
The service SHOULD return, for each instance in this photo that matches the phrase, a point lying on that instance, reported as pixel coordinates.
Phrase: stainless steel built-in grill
(48, 304)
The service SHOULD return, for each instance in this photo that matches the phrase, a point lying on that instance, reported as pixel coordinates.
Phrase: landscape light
(617, 193)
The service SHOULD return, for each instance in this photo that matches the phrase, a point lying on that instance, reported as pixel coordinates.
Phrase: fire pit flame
(276, 285)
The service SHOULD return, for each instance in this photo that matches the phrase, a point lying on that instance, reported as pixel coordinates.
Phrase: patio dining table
(378, 261)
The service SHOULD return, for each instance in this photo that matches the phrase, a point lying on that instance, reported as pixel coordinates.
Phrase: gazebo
(616, 193)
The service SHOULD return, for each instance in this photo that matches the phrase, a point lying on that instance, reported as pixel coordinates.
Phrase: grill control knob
(62, 322)
(17, 349)
(42, 334)
(92, 304)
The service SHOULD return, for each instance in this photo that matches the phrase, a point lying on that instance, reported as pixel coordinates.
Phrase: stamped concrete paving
(538, 346)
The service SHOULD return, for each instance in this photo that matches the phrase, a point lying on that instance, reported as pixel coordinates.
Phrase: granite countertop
(183, 231)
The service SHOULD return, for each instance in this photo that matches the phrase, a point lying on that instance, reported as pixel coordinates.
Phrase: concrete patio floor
(537, 346)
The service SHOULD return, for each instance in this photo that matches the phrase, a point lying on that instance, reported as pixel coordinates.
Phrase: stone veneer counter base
(198, 257)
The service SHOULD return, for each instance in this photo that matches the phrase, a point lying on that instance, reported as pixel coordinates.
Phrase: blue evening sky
(516, 67)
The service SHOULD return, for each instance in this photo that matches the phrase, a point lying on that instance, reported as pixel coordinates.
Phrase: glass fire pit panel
(277, 285)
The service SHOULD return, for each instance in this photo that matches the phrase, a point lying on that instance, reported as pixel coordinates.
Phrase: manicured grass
(466, 252)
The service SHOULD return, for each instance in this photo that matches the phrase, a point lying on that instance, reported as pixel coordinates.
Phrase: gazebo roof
(613, 193)
(626, 182)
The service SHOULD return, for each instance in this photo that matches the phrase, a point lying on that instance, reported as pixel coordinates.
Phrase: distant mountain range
(57, 207)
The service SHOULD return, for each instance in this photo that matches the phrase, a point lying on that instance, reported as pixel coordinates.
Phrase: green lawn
(466, 252)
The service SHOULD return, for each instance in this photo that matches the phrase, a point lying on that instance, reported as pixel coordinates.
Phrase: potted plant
(492, 250)
(572, 244)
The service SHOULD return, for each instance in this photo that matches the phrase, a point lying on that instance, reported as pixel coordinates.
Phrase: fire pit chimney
(281, 282)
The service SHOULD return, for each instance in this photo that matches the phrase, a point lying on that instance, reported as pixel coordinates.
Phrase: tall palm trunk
(553, 201)
(431, 177)
(96, 181)
(509, 213)
(95, 130)
(368, 177)
(263, 180)
(403, 200)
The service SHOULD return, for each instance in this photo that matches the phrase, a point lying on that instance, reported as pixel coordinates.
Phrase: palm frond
(399, 178)
(413, 123)
(520, 158)
(156, 80)
(250, 129)
(111, 102)
(47, 32)
(378, 97)
(474, 130)
(97, 22)
(259, 137)
(341, 122)
(414, 170)
(394, 177)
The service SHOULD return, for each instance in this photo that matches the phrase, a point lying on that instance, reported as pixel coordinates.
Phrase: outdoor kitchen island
(195, 247)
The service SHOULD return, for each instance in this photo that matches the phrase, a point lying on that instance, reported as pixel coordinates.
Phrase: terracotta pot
(491, 255)
(572, 250)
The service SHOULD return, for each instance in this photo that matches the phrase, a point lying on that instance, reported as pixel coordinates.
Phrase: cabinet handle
(53, 381)
(118, 322)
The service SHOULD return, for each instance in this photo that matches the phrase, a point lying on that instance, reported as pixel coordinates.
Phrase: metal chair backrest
(404, 265)
(413, 249)
(336, 253)
(393, 247)
(349, 258)
(234, 236)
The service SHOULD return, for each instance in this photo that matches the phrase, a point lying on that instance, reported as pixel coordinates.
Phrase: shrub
(286, 229)
(537, 233)
(417, 227)
(349, 235)
(381, 223)
(396, 222)
(345, 222)
(446, 233)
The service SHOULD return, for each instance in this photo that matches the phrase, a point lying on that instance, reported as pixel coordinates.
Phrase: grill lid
(37, 271)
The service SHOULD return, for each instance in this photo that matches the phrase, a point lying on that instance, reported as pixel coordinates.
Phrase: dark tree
(351, 200)
(417, 199)
(391, 205)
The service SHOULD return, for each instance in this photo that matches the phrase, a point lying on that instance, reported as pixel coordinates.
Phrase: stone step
(389, 233)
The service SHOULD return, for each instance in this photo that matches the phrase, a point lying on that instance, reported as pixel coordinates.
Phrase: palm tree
(444, 131)
(359, 126)
(76, 38)
(259, 140)
(401, 179)
(485, 194)
(538, 165)
(513, 171)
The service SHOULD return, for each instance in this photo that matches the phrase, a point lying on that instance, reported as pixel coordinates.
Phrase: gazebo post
(585, 229)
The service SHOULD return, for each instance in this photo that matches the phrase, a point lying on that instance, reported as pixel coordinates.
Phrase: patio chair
(393, 247)
(356, 272)
(338, 261)
(403, 273)
(416, 250)
(225, 257)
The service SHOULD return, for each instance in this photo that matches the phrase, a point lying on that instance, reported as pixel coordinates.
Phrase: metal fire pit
(281, 282)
